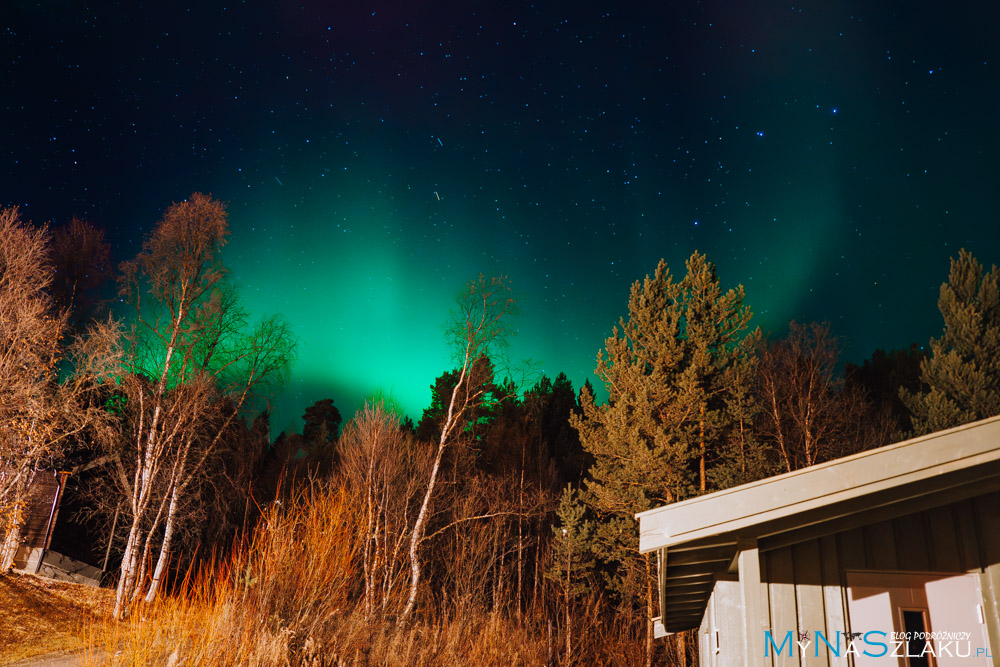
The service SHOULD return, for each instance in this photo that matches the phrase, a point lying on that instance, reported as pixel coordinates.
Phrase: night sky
(830, 156)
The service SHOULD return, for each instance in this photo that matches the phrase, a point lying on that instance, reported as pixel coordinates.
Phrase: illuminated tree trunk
(128, 568)
(483, 306)
(520, 535)
(569, 617)
(168, 534)
(421, 523)
(149, 458)
(13, 535)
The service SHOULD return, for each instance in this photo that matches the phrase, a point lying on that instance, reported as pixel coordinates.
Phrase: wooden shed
(27, 546)
(858, 561)
(33, 533)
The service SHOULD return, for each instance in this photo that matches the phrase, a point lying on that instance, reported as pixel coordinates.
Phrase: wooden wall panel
(706, 657)
(880, 546)
(809, 600)
(781, 589)
(729, 623)
(911, 545)
(852, 552)
(803, 585)
(943, 541)
(765, 589)
(987, 517)
(964, 514)
(38, 507)
(834, 600)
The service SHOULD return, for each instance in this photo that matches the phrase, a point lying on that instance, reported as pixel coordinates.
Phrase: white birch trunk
(168, 534)
(419, 525)
(146, 462)
(128, 569)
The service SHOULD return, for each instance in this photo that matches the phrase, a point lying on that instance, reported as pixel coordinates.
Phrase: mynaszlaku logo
(875, 644)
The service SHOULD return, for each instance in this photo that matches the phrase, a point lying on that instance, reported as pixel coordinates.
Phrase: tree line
(508, 500)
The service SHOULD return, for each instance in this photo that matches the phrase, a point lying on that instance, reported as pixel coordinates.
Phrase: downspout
(52, 517)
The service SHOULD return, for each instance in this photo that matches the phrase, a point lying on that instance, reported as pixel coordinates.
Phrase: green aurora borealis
(830, 156)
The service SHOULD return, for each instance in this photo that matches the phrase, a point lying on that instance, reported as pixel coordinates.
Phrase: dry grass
(273, 600)
(39, 616)
(292, 596)
(289, 597)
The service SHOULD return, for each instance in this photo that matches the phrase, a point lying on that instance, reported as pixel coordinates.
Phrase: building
(28, 547)
(821, 566)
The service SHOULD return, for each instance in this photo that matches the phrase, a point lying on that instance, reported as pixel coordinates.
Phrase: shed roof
(697, 539)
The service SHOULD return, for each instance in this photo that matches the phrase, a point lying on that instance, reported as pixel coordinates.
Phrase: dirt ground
(41, 620)
(49, 660)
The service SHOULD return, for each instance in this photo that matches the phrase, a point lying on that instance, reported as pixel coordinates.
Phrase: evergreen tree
(744, 457)
(962, 375)
(321, 421)
(672, 372)
(572, 558)
(550, 402)
(320, 429)
(477, 418)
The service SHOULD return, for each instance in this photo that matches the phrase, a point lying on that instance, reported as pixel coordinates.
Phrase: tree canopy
(961, 377)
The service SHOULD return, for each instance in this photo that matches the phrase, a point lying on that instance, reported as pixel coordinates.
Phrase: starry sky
(830, 156)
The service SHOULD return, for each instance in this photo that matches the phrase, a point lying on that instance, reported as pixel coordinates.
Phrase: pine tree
(672, 372)
(572, 558)
(962, 374)
(744, 457)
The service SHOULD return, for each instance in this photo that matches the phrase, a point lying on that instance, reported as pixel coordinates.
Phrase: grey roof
(696, 540)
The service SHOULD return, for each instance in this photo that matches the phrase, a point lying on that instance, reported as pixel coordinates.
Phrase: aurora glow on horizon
(829, 156)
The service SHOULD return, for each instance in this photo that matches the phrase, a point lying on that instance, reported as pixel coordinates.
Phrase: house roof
(697, 540)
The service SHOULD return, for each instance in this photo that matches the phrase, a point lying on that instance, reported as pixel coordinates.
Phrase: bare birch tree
(808, 414)
(383, 466)
(262, 357)
(39, 412)
(479, 329)
(29, 339)
(191, 369)
(81, 262)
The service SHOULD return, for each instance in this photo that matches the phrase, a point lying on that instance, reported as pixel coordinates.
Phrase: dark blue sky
(830, 156)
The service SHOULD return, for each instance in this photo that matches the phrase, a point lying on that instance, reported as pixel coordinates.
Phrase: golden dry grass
(271, 600)
(290, 597)
(39, 615)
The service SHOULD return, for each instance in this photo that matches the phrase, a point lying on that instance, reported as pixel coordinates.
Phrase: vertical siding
(809, 599)
(987, 517)
(722, 627)
(911, 543)
(945, 542)
(729, 621)
(781, 587)
(834, 599)
(880, 543)
(964, 516)
(38, 507)
(852, 550)
(765, 601)
(803, 584)
(706, 657)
